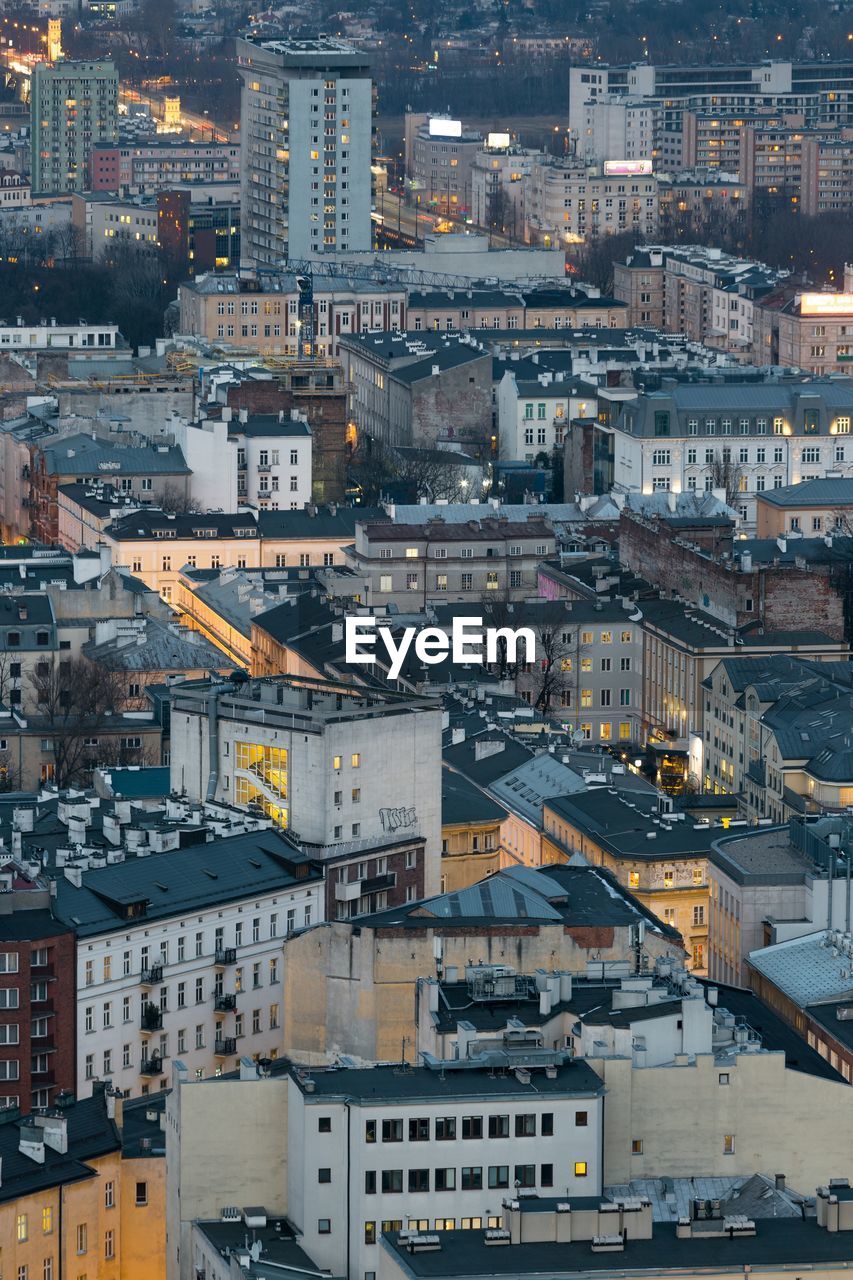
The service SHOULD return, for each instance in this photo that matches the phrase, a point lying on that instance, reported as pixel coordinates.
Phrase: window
(472, 1126)
(445, 1179)
(580, 1168)
(498, 1175)
(370, 1182)
(392, 1180)
(472, 1178)
(728, 1144)
(636, 1146)
(109, 1245)
(21, 1229)
(498, 1126)
(445, 1128)
(324, 1175)
(392, 1130)
(419, 1179)
(525, 1125)
(581, 1119)
(370, 1233)
(82, 1238)
(324, 1226)
(419, 1129)
(546, 1175)
(525, 1175)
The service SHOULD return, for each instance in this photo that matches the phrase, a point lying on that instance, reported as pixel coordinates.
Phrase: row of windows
(470, 1178)
(448, 1128)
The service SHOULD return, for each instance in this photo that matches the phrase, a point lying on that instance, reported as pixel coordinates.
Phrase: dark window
(14, 670)
(498, 1175)
(324, 1226)
(581, 1119)
(546, 1175)
(445, 1128)
(324, 1175)
(42, 638)
(419, 1179)
(370, 1131)
(13, 639)
(324, 1124)
(472, 1126)
(525, 1126)
(392, 1130)
(392, 1180)
(370, 1182)
(370, 1233)
(662, 424)
(445, 1179)
(498, 1126)
(419, 1129)
(472, 1179)
(525, 1175)
(547, 1129)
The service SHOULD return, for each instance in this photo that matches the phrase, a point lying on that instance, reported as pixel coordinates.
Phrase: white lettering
(397, 652)
(495, 636)
(356, 635)
(432, 645)
(465, 629)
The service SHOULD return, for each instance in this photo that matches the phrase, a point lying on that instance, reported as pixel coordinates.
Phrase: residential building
(652, 850)
(771, 885)
(407, 389)
(534, 416)
(497, 184)
(440, 157)
(108, 225)
(809, 331)
(84, 1186)
(306, 130)
(805, 980)
(94, 341)
(148, 474)
(407, 565)
(146, 167)
(702, 202)
(358, 748)
(566, 203)
(471, 846)
(710, 296)
(74, 105)
(38, 1031)
(538, 1127)
(812, 507)
(352, 983)
(538, 1231)
(200, 986)
(522, 311)
(265, 312)
(774, 734)
(620, 128)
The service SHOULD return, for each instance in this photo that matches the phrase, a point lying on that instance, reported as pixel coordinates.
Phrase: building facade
(74, 106)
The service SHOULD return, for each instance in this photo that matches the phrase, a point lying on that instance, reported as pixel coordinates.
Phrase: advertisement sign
(626, 168)
(442, 128)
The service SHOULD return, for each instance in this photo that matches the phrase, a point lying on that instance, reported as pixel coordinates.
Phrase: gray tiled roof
(80, 455)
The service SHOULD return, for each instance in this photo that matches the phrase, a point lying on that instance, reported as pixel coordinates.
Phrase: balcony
(349, 891)
(152, 1019)
(263, 467)
(151, 976)
(42, 1079)
(225, 1047)
(225, 1001)
(152, 1066)
(225, 955)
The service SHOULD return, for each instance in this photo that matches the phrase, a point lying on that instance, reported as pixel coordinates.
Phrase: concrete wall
(781, 1120)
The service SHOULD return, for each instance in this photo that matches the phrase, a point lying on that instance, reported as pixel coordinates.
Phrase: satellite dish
(578, 737)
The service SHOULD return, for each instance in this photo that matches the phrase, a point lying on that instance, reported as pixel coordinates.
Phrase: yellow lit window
(697, 875)
(667, 879)
(336, 763)
(411, 553)
(21, 1227)
(580, 1168)
(586, 697)
(586, 637)
(356, 760)
(625, 730)
(606, 637)
(586, 664)
(634, 879)
(47, 1219)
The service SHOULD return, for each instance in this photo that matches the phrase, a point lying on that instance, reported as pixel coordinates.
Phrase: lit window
(580, 1168)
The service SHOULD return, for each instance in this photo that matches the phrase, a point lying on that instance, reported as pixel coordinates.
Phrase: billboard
(440, 127)
(626, 168)
(497, 141)
(826, 304)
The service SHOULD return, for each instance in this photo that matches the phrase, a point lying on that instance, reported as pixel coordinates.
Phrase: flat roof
(428, 1084)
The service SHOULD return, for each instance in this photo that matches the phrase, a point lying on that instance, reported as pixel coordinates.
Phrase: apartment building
(814, 508)
(619, 128)
(702, 201)
(810, 331)
(154, 984)
(96, 341)
(274, 456)
(153, 166)
(407, 565)
(568, 203)
(265, 312)
(751, 436)
(74, 105)
(323, 761)
(381, 1149)
(774, 735)
(534, 416)
(108, 224)
(555, 306)
(708, 295)
(497, 184)
(306, 130)
(440, 160)
(38, 995)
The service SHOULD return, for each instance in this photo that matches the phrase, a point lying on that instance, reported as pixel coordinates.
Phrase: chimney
(281, 415)
(55, 1132)
(74, 875)
(227, 414)
(243, 415)
(780, 1182)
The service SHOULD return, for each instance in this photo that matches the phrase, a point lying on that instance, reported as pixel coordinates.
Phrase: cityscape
(426, 640)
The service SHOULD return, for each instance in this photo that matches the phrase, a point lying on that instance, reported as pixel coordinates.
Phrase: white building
(96, 340)
(533, 417)
(181, 954)
(497, 183)
(618, 128)
(264, 460)
(434, 1147)
(306, 121)
(332, 763)
(566, 203)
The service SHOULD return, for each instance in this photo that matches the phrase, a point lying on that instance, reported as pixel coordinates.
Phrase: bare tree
(75, 701)
(10, 778)
(726, 474)
(176, 502)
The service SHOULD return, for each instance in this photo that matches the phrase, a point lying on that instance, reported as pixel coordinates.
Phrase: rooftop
(426, 1084)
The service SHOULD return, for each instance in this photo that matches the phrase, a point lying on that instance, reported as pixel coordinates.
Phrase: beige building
(264, 313)
(814, 508)
(566, 204)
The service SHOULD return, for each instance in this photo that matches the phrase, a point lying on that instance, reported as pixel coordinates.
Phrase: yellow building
(83, 1192)
(471, 844)
(662, 858)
